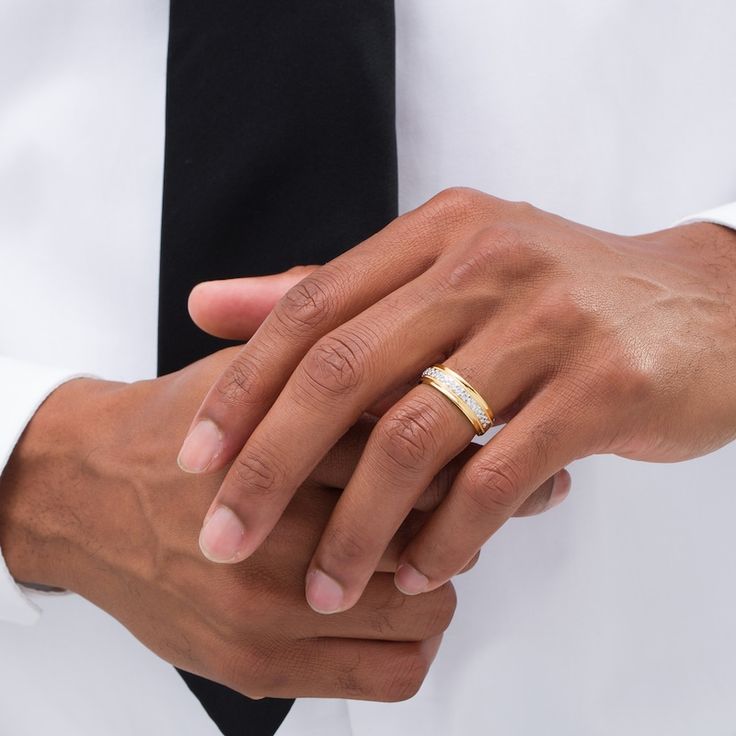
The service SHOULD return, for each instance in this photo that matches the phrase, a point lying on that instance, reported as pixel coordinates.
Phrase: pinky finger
(489, 489)
(550, 494)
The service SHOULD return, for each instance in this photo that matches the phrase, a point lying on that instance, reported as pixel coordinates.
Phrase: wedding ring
(462, 394)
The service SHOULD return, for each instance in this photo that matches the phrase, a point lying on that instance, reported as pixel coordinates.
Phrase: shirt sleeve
(724, 215)
(23, 388)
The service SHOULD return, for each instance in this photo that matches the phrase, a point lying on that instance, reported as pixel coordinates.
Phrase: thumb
(234, 308)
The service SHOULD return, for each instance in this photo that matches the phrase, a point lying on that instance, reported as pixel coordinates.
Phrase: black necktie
(280, 150)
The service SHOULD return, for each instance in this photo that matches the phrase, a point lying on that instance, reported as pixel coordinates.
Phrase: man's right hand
(93, 502)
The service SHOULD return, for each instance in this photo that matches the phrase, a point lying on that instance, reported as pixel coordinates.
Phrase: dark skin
(582, 342)
(93, 502)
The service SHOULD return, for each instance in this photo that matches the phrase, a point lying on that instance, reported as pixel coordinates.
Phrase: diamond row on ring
(461, 392)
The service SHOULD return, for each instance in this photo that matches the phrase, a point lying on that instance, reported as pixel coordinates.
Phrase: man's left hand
(582, 342)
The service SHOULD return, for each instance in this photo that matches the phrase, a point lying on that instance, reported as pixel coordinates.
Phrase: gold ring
(462, 394)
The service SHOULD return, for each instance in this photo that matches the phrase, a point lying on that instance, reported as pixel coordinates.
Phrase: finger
(337, 467)
(310, 510)
(319, 303)
(416, 519)
(383, 404)
(473, 562)
(534, 446)
(408, 447)
(343, 373)
(338, 668)
(550, 494)
(383, 613)
(409, 529)
(235, 308)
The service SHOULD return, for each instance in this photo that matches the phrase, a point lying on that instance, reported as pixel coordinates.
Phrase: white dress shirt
(612, 614)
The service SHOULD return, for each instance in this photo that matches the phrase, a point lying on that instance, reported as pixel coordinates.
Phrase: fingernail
(324, 594)
(221, 538)
(409, 580)
(201, 447)
(560, 490)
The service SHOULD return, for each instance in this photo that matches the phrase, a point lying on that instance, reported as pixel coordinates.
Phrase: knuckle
(447, 606)
(457, 201)
(352, 680)
(307, 304)
(277, 666)
(407, 436)
(336, 364)
(479, 259)
(523, 209)
(442, 605)
(498, 253)
(257, 473)
(521, 256)
(454, 206)
(272, 679)
(404, 677)
(262, 679)
(283, 668)
(242, 383)
(494, 486)
(351, 685)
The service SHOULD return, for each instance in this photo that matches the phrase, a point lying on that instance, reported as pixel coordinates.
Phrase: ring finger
(407, 448)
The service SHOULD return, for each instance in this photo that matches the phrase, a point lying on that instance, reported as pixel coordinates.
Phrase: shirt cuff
(23, 388)
(724, 215)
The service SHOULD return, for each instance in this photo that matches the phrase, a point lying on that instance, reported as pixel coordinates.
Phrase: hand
(234, 309)
(581, 341)
(93, 502)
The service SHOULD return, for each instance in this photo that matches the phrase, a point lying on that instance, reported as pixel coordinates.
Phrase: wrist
(42, 488)
(697, 234)
(702, 247)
